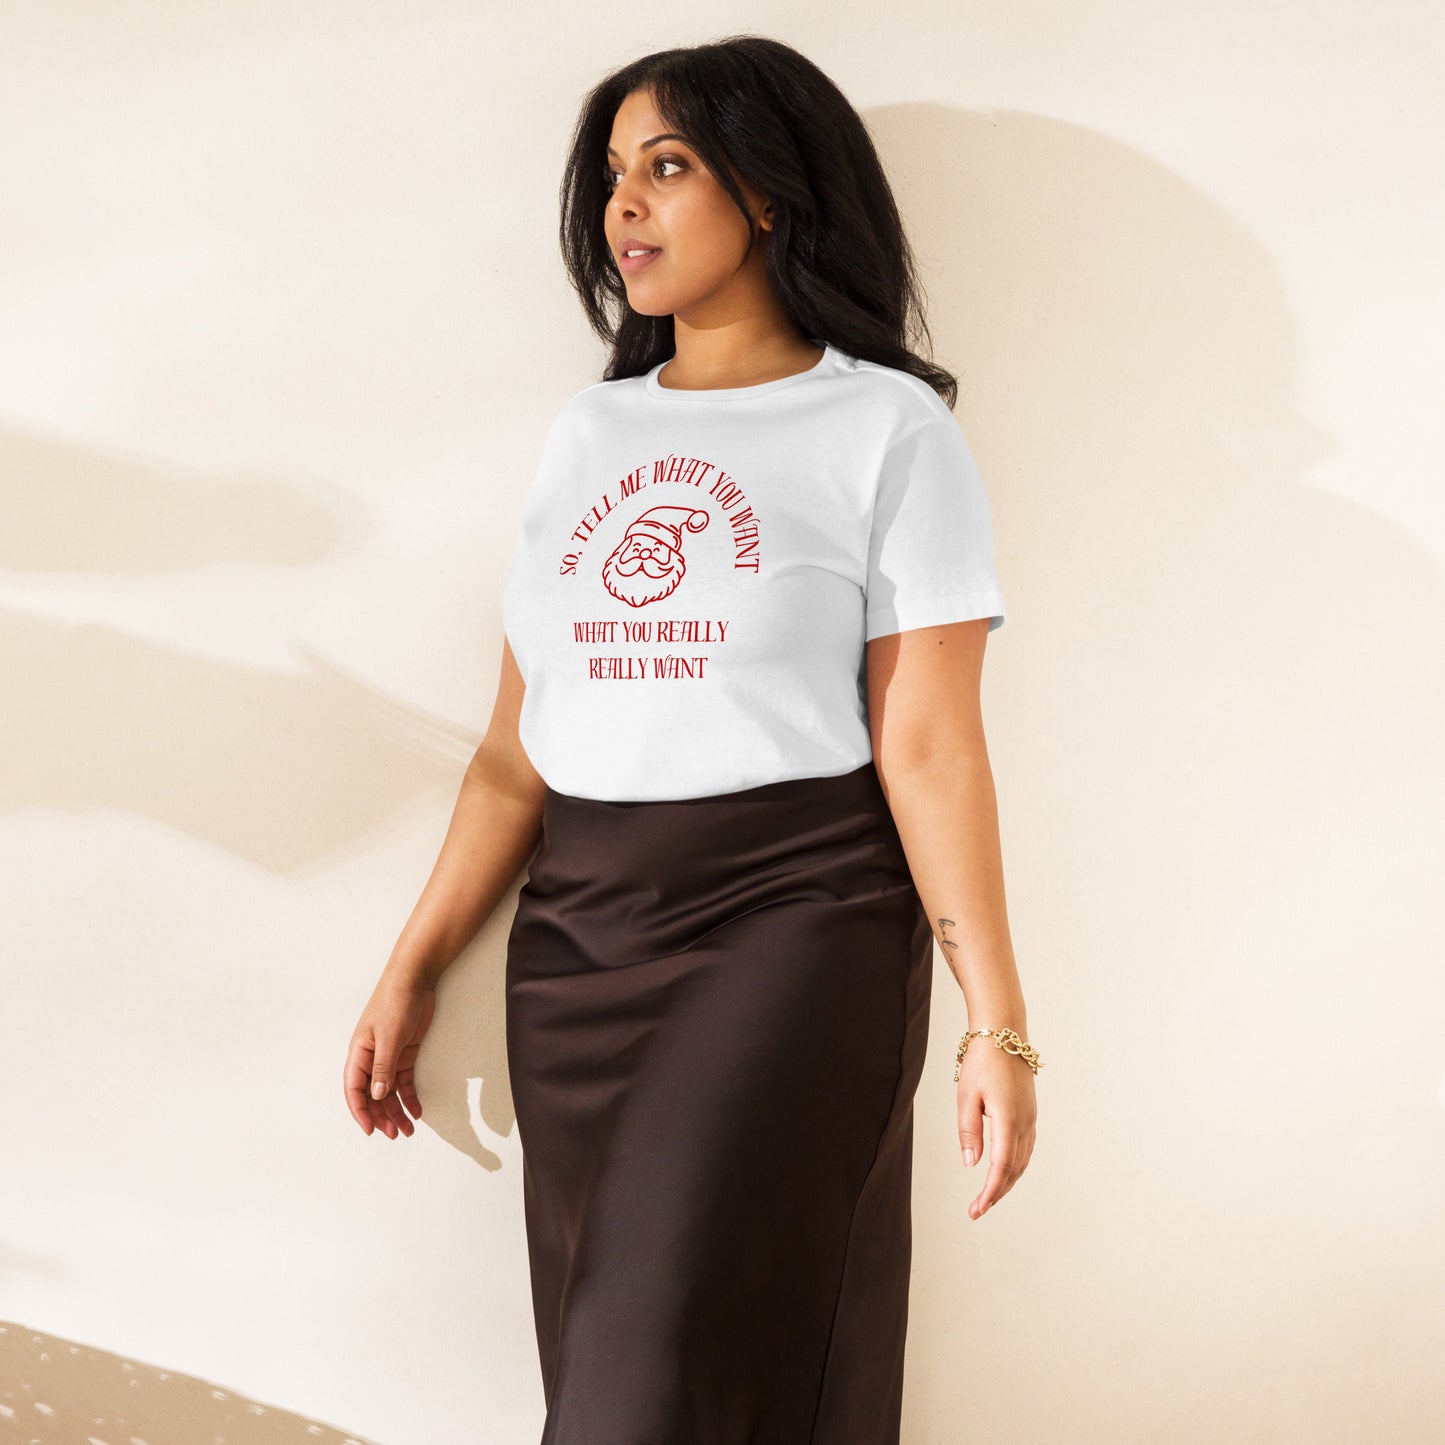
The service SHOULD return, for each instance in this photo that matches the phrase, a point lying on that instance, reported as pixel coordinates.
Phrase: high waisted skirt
(716, 1015)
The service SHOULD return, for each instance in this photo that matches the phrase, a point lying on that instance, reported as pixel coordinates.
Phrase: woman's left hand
(996, 1083)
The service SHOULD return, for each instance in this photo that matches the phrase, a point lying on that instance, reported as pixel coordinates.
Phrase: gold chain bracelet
(1005, 1039)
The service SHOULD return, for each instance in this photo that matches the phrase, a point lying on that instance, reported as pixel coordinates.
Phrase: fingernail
(968, 1158)
(377, 1088)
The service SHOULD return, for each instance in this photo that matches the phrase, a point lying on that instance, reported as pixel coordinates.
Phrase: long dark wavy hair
(837, 258)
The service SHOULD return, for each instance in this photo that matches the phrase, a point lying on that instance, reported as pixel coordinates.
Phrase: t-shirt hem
(934, 612)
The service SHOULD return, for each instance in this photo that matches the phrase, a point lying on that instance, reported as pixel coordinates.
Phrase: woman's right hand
(380, 1073)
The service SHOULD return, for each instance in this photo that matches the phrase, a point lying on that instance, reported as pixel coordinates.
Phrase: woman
(748, 602)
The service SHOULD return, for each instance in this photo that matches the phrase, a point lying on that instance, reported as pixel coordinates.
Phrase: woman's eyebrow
(649, 143)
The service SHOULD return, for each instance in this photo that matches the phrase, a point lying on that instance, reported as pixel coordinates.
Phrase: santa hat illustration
(667, 524)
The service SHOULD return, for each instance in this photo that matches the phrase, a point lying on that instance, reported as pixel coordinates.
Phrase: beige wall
(281, 324)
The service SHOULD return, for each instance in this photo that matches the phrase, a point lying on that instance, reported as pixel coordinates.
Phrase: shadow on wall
(57, 1392)
(285, 770)
(288, 771)
(1215, 715)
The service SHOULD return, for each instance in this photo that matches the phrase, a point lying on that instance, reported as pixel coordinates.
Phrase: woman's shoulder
(874, 400)
(596, 399)
(908, 395)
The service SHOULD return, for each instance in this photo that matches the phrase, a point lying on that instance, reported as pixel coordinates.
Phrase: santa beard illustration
(648, 563)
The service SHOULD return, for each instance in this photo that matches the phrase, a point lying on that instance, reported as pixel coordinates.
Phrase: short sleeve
(930, 545)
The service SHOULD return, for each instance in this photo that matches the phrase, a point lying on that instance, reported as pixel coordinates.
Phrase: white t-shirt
(696, 574)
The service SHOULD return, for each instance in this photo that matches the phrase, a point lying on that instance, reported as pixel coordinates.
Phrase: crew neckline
(730, 393)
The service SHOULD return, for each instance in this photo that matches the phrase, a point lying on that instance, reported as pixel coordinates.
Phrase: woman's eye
(610, 174)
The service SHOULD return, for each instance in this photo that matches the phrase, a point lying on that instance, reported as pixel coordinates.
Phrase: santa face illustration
(648, 562)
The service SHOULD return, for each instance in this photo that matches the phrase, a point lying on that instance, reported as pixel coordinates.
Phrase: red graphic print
(648, 564)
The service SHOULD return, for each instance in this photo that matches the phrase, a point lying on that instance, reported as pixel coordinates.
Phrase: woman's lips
(628, 264)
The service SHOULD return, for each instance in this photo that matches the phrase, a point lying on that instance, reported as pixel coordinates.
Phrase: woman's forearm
(494, 829)
(947, 816)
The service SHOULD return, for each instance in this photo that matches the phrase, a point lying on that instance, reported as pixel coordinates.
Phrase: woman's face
(663, 197)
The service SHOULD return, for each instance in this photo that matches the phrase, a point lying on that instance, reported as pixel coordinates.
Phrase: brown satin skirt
(716, 1016)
